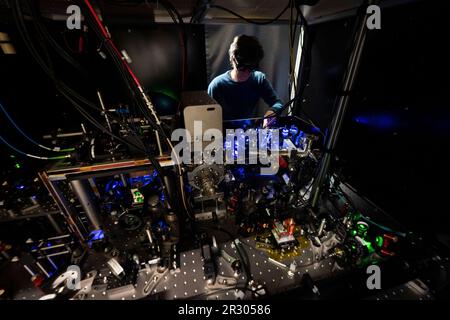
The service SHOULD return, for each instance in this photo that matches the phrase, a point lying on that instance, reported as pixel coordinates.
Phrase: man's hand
(269, 118)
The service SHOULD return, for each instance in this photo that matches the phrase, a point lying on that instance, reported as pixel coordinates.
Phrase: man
(239, 89)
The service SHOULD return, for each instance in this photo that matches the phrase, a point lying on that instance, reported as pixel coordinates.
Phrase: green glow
(362, 227)
(166, 91)
(353, 232)
(138, 197)
(356, 216)
(370, 247)
(379, 241)
(58, 157)
(17, 166)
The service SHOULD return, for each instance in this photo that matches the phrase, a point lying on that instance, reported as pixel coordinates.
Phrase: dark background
(395, 143)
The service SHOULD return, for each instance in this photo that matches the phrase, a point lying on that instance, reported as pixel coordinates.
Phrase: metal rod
(52, 247)
(63, 135)
(54, 224)
(298, 59)
(158, 141)
(54, 254)
(104, 110)
(52, 263)
(29, 270)
(149, 236)
(82, 190)
(338, 117)
(43, 270)
(62, 204)
(59, 237)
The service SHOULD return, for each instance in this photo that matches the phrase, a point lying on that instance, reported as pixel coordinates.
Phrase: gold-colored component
(265, 243)
(338, 252)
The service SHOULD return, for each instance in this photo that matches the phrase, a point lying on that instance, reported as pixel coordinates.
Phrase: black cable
(245, 261)
(304, 69)
(170, 8)
(71, 95)
(66, 91)
(136, 95)
(250, 20)
(198, 11)
(41, 28)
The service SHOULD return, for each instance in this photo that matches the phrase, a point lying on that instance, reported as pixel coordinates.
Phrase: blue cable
(31, 155)
(26, 136)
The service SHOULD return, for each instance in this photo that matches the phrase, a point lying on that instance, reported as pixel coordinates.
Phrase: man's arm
(269, 96)
(271, 99)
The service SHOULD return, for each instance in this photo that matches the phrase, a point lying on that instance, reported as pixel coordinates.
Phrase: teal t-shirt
(239, 100)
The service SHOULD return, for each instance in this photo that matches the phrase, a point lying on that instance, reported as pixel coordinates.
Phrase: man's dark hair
(246, 52)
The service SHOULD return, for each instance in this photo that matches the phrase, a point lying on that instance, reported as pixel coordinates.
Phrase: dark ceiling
(254, 9)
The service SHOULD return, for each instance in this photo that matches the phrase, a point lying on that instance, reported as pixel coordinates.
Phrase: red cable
(108, 38)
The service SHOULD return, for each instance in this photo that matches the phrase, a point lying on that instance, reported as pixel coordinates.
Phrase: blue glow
(188, 188)
(294, 130)
(95, 236)
(143, 180)
(377, 121)
(246, 123)
(112, 185)
(122, 110)
(163, 225)
(285, 132)
(241, 172)
(315, 130)
(20, 187)
(299, 139)
(115, 185)
(361, 120)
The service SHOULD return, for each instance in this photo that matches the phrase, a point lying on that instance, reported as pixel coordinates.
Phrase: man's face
(244, 71)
